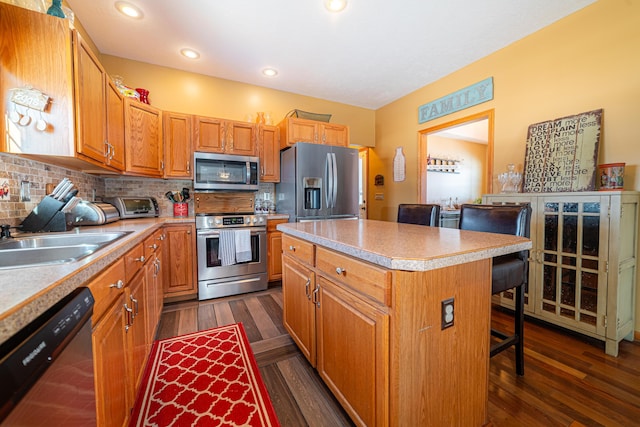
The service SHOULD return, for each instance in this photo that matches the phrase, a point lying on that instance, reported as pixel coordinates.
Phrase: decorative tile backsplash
(15, 170)
(143, 187)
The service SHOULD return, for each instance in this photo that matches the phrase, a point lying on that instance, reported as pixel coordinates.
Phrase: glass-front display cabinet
(582, 270)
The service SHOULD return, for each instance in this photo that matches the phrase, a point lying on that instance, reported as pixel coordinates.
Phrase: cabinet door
(274, 250)
(178, 151)
(115, 127)
(208, 134)
(36, 51)
(269, 152)
(91, 112)
(151, 300)
(302, 131)
(109, 360)
(180, 260)
(298, 311)
(240, 138)
(335, 135)
(353, 353)
(143, 139)
(572, 261)
(137, 336)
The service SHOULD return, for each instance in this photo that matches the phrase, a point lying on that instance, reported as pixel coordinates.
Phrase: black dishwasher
(46, 369)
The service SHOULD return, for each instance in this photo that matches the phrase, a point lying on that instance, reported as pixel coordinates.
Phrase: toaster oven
(135, 207)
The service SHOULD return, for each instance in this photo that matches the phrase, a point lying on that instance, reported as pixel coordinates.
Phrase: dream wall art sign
(562, 154)
(464, 98)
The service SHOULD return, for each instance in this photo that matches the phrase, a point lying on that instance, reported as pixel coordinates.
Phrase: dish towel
(227, 247)
(243, 245)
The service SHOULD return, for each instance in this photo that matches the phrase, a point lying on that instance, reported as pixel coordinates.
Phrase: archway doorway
(456, 160)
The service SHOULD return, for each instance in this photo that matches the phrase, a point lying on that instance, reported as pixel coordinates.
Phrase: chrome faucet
(5, 232)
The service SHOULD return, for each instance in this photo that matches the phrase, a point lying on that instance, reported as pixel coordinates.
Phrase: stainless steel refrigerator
(318, 182)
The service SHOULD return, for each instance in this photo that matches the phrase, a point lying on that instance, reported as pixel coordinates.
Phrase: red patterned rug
(208, 378)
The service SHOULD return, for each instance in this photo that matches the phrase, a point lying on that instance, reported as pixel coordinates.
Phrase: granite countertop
(405, 246)
(27, 292)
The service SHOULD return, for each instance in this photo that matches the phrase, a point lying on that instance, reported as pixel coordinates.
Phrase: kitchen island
(367, 303)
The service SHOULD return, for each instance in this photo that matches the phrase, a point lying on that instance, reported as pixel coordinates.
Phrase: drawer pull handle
(118, 285)
(141, 259)
(292, 248)
(341, 270)
(154, 247)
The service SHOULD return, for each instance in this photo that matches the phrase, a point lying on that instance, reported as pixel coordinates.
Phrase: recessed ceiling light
(270, 72)
(335, 5)
(128, 9)
(190, 53)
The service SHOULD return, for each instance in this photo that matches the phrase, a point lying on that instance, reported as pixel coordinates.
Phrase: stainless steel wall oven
(217, 277)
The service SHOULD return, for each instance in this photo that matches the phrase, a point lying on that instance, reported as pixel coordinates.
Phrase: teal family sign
(464, 98)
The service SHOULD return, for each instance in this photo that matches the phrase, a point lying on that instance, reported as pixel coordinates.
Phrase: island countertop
(405, 246)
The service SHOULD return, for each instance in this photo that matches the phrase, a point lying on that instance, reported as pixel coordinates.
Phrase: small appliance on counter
(135, 207)
(94, 213)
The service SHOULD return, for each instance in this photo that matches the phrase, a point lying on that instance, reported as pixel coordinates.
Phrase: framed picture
(562, 154)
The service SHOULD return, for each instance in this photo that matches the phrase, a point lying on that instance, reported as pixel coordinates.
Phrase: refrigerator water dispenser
(312, 193)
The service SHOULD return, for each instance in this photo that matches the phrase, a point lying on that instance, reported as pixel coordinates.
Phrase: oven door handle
(216, 233)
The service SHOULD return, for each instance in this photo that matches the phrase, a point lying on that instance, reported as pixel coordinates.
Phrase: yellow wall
(586, 61)
(175, 90)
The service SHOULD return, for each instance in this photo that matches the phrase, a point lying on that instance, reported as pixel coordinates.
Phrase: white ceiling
(371, 54)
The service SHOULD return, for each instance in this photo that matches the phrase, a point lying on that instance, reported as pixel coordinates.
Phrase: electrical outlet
(446, 313)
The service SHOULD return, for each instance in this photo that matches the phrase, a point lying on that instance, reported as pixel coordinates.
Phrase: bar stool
(508, 271)
(421, 214)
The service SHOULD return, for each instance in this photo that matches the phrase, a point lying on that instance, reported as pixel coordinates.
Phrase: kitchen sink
(41, 249)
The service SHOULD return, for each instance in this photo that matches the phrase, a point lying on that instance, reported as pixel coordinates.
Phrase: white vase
(398, 166)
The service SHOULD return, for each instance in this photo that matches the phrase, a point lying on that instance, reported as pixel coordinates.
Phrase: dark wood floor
(569, 380)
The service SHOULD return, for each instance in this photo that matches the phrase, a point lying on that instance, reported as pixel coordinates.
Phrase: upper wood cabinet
(35, 52)
(224, 136)
(143, 139)
(99, 110)
(178, 148)
(269, 153)
(294, 130)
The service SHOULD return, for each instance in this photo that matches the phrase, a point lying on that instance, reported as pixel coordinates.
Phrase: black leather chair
(508, 271)
(421, 214)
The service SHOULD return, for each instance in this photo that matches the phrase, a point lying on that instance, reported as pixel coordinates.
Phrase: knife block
(46, 217)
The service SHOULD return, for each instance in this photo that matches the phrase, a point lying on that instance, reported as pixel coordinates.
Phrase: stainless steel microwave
(225, 172)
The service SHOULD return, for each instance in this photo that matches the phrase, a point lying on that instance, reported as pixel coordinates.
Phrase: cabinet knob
(292, 248)
(141, 259)
(341, 270)
(154, 247)
(118, 285)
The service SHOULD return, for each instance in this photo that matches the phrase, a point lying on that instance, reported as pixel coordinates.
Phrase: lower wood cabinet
(342, 333)
(352, 352)
(375, 337)
(136, 329)
(110, 353)
(299, 318)
(180, 260)
(274, 250)
(129, 297)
